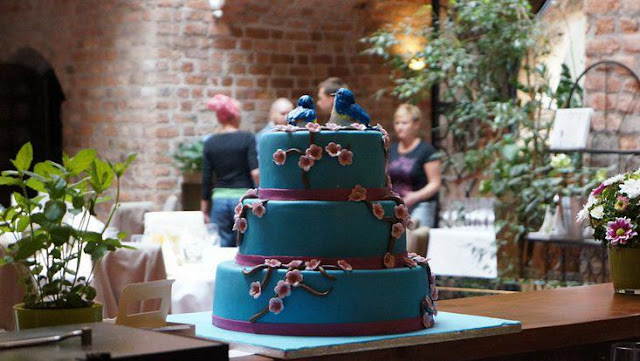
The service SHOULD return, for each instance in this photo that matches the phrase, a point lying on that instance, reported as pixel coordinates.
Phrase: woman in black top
(414, 173)
(230, 157)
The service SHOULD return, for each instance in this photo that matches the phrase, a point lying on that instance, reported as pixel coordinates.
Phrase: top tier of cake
(361, 163)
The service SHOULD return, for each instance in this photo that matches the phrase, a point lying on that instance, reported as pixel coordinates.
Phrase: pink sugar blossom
(333, 149)
(434, 292)
(312, 264)
(280, 127)
(358, 126)
(386, 141)
(294, 277)
(294, 264)
(401, 212)
(314, 151)
(389, 260)
(240, 225)
(305, 162)
(388, 183)
(358, 193)
(427, 320)
(412, 255)
(256, 290)
(345, 157)
(429, 306)
(420, 260)
(432, 278)
(275, 305)
(409, 262)
(282, 289)
(397, 230)
(344, 265)
(251, 192)
(409, 223)
(332, 126)
(377, 210)
(313, 127)
(237, 211)
(273, 263)
(381, 129)
(258, 209)
(279, 157)
(620, 231)
(290, 128)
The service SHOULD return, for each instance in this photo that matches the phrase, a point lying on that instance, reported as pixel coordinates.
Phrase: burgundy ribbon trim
(338, 194)
(322, 329)
(356, 263)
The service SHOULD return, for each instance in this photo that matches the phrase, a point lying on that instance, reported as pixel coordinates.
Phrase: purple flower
(598, 190)
(258, 209)
(620, 231)
(358, 126)
(279, 157)
(345, 157)
(377, 210)
(389, 260)
(255, 290)
(344, 265)
(282, 289)
(397, 230)
(294, 277)
(313, 127)
(273, 263)
(314, 151)
(358, 193)
(332, 126)
(237, 211)
(312, 265)
(275, 305)
(305, 162)
(294, 264)
(333, 149)
(240, 225)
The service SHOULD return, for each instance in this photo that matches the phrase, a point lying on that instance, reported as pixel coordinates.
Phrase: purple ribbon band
(356, 263)
(322, 329)
(338, 194)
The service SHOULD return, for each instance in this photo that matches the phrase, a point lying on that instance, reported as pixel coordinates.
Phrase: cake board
(448, 327)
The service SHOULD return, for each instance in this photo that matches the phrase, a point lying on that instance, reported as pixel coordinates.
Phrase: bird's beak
(333, 94)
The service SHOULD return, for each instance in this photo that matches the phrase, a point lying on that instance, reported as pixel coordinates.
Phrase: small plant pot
(624, 264)
(45, 317)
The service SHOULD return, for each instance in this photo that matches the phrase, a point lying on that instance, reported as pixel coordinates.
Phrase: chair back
(139, 292)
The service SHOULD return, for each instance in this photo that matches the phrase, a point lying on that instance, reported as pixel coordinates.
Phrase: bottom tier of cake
(321, 302)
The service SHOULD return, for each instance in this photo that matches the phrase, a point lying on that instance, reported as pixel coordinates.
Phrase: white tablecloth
(463, 252)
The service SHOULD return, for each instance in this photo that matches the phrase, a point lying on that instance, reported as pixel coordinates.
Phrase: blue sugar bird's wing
(356, 113)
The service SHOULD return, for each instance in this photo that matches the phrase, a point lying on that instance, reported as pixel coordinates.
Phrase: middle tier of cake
(324, 230)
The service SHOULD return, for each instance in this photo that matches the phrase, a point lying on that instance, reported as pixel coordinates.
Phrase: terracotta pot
(39, 317)
(624, 264)
(191, 189)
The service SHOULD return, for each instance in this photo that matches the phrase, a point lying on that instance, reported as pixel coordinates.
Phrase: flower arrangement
(613, 210)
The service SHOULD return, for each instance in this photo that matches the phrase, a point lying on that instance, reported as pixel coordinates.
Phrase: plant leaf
(24, 158)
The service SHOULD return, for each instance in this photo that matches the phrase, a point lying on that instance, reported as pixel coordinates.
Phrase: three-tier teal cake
(322, 248)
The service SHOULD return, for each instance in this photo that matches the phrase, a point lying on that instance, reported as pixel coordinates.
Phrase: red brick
(632, 42)
(186, 106)
(605, 26)
(186, 67)
(282, 58)
(196, 79)
(602, 46)
(281, 83)
(599, 7)
(224, 43)
(195, 29)
(256, 33)
(628, 25)
(166, 132)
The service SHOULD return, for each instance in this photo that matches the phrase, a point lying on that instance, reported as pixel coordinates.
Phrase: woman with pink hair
(229, 158)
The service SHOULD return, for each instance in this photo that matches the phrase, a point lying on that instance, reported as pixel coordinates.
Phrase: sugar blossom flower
(344, 265)
(397, 230)
(631, 187)
(333, 149)
(401, 212)
(377, 210)
(258, 209)
(345, 157)
(427, 320)
(273, 263)
(358, 126)
(312, 264)
(408, 223)
(290, 128)
(621, 203)
(313, 127)
(251, 192)
(434, 292)
(332, 126)
(279, 157)
(237, 211)
(256, 290)
(294, 264)
(282, 289)
(620, 231)
(389, 260)
(410, 262)
(305, 162)
(314, 151)
(240, 225)
(358, 193)
(275, 305)
(294, 277)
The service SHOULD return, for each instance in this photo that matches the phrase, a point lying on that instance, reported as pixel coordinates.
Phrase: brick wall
(137, 74)
(613, 34)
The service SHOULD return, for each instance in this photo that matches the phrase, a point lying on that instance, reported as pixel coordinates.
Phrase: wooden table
(578, 323)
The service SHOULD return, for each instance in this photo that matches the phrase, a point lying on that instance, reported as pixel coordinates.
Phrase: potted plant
(188, 158)
(613, 210)
(52, 234)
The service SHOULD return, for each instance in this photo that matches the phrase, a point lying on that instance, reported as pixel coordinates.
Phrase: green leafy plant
(188, 157)
(51, 229)
(495, 98)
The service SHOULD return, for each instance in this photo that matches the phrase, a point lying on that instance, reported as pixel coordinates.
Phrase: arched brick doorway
(30, 99)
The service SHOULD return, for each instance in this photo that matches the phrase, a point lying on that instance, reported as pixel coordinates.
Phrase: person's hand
(410, 199)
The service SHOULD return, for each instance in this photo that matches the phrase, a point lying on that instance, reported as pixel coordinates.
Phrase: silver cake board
(448, 327)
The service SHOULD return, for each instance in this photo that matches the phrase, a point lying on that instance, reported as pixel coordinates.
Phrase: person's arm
(207, 173)
(434, 180)
(252, 160)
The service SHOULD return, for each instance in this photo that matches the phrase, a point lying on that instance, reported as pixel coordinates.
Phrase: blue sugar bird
(345, 110)
(304, 113)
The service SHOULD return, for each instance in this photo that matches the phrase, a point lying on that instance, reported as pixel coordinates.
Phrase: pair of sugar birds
(345, 110)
